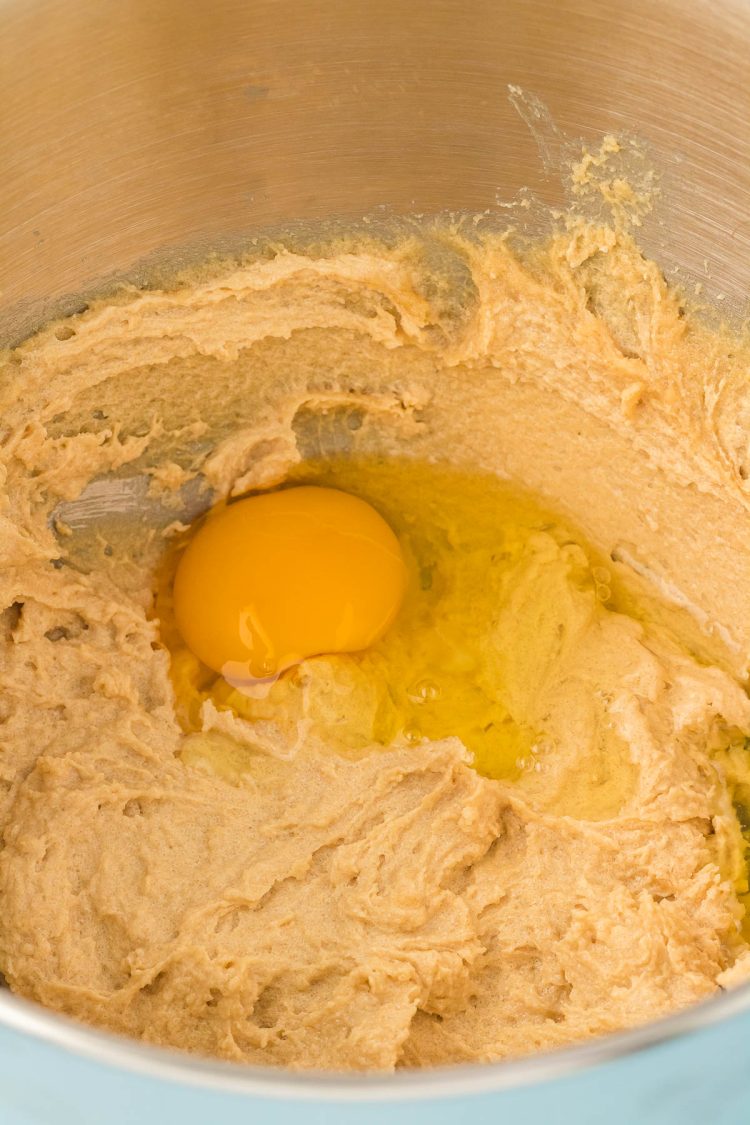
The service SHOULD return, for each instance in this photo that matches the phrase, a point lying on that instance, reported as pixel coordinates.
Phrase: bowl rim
(168, 1064)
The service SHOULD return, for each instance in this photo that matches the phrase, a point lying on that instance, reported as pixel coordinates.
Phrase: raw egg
(275, 578)
(487, 563)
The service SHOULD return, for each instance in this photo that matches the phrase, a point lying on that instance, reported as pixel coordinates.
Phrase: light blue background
(702, 1079)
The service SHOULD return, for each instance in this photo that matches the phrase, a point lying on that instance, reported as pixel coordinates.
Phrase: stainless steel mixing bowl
(139, 134)
(137, 129)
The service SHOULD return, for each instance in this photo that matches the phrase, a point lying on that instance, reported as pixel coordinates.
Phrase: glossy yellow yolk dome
(268, 581)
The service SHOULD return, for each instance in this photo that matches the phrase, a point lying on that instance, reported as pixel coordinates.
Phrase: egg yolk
(275, 578)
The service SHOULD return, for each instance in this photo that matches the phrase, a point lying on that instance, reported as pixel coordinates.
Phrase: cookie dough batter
(284, 901)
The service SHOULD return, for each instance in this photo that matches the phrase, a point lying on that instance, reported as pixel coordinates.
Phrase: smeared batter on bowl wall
(295, 904)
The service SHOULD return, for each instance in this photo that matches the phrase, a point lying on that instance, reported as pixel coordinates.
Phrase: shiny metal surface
(137, 128)
(134, 132)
